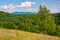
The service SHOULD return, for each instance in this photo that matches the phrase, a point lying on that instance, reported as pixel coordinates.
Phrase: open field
(7, 34)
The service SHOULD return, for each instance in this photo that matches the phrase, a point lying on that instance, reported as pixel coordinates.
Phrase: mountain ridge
(24, 12)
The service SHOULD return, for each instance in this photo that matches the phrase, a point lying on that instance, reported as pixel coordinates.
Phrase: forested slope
(30, 22)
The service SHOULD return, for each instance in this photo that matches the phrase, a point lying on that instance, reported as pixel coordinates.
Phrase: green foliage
(9, 25)
(42, 22)
(46, 21)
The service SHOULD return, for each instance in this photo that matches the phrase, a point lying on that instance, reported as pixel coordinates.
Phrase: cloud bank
(26, 5)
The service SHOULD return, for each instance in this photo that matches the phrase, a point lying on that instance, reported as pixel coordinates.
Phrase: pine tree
(49, 22)
(46, 21)
(40, 19)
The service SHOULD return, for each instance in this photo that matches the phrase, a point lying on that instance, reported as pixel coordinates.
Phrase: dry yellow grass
(7, 34)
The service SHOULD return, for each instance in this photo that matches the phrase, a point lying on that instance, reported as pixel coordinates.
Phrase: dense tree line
(42, 22)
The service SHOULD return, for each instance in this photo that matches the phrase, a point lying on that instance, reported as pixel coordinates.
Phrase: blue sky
(29, 5)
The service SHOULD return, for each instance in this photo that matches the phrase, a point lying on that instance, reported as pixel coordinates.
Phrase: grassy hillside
(7, 34)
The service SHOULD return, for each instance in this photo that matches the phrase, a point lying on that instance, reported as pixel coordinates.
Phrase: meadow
(9, 34)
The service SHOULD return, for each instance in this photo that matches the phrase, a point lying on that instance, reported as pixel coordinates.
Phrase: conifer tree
(46, 21)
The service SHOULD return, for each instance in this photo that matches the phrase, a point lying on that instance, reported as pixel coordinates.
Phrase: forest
(43, 22)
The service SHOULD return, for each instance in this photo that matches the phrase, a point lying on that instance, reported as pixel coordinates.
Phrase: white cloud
(55, 8)
(7, 8)
(10, 6)
(26, 5)
(4, 7)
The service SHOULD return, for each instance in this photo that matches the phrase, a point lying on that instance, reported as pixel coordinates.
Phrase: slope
(8, 34)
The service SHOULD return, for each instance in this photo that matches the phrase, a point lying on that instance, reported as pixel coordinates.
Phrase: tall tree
(46, 21)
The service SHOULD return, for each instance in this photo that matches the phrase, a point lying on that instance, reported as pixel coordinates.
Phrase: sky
(29, 5)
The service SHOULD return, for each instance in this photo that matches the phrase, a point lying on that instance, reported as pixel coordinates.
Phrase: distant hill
(12, 17)
(24, 12)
